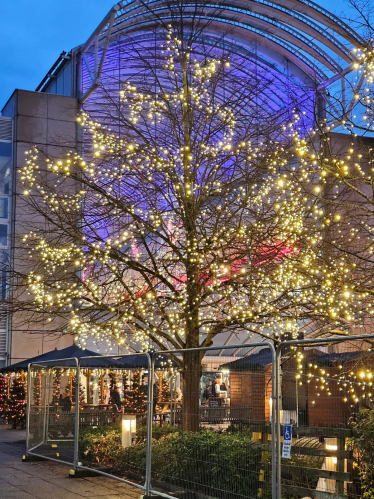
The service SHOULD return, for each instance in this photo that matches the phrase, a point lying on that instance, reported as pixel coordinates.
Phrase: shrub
(210, 462)
(157, 432)
(223, 464)
(101, 445)
(362, 444)
(296, 475)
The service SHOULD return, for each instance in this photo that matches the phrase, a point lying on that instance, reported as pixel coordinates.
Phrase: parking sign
(287, 438)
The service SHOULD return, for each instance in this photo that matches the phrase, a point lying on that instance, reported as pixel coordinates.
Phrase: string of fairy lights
(266, 268)
(352, 380)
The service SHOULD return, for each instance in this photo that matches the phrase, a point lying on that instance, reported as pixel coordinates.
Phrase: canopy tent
(257, 361)
(162, 361)
(71, 352)
(88, 359)
(253, 362)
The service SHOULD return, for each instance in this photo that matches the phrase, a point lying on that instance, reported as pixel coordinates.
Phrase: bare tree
(186, 221)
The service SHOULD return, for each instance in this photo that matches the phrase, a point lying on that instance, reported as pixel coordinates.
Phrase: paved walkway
(48, 480)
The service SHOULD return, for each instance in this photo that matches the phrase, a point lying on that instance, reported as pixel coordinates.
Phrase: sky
(33, 33)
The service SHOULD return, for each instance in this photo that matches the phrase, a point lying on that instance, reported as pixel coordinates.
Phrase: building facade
(49, 122)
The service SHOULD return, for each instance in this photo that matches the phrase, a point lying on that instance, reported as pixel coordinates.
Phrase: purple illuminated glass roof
(294, 49)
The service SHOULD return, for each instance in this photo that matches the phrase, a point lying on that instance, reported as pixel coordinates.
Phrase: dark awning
(257, 361)
(162, 361)
(54, 359)
(329, 359)
(254, 362)
(66, 353)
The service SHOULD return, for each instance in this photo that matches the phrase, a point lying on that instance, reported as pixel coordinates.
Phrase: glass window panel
(3, 284)
(4, 208)
(3, 234)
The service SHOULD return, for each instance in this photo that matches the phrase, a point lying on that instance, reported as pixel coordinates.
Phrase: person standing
(217, 387)
(178, 395)
(67, 403)
(209, 390)
(116, 398)
(156, 393)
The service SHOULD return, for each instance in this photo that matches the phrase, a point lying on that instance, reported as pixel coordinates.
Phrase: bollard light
(128, 429)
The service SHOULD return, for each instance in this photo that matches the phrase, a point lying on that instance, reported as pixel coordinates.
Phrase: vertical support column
(320, 107)
(45, 407)
(88, 391)
(48, 394)
(278, 426)
(273, 426)
(148, 460)
(297, 401)
(76, 425)
(261, 479)
(172, 401)
(28, 399)
(340, 465)
(101, 388)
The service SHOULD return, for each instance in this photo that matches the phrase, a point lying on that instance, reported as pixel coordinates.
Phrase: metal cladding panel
(62, 81)
(6, 137)
(5, 129)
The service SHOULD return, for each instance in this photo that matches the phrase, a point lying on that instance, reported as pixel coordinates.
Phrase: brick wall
(248, 388)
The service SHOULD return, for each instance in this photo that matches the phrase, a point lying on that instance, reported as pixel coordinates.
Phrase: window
(4, 207)
(3, 284)
(3, 235)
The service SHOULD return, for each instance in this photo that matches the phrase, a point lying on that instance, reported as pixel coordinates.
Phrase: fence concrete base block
(28, 459)
(81, 473)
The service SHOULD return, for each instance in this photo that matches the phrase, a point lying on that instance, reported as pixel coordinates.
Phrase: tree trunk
(191, 390)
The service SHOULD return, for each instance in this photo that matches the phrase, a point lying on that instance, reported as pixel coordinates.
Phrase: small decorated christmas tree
(16, 414)
(37, 390)
(137, 395)
(126, 390)
(164, 384)
(56, 386)
(3, 395)
(73, 391)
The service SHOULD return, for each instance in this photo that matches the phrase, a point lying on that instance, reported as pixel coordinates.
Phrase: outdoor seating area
(111, 386)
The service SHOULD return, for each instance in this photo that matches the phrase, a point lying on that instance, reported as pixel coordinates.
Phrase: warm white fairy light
(203, 232)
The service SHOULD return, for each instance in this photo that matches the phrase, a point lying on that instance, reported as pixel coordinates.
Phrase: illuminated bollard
(128, 429)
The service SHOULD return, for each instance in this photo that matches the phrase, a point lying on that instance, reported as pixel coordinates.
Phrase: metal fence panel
(234, 422)
(113, 419)
(51, 416)
(323, 386)
(218, 441)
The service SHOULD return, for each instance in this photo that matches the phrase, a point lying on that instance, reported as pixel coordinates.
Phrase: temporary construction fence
(270, 422)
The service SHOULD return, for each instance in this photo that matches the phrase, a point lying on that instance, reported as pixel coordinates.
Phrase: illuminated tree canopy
(187, 220)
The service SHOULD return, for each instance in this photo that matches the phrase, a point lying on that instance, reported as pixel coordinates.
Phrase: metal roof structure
(294, 42)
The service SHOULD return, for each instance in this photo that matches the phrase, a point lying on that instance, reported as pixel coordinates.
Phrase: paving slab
(49, 480)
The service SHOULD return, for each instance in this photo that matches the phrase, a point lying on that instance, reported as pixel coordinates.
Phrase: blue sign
(287, 440)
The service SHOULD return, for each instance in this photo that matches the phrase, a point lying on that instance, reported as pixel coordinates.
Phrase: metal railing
(263, 395)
